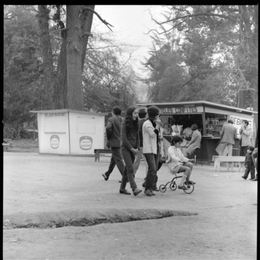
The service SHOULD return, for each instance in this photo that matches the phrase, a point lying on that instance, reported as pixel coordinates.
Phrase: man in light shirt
(246, 137)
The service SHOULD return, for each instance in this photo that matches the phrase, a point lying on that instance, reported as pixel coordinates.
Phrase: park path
(224, 227)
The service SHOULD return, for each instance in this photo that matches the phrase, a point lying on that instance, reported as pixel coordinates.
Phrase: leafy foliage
(107, 81)
(22, 70)
(217, 48)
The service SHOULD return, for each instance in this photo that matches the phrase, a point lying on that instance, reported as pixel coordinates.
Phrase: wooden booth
(209, 117)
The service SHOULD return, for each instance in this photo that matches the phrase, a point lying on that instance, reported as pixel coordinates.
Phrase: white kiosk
(66, 131)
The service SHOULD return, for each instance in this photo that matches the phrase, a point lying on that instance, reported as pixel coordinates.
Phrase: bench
(97, 153)
(6, 144)
(231, 160)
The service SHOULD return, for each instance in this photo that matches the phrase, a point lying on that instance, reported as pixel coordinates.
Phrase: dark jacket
(130, 138)
(113, 131)
(140, 131)
(249, 160)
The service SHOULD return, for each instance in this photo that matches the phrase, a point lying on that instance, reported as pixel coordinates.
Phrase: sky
(130, 26)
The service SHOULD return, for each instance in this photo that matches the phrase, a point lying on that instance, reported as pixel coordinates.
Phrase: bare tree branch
(100, 18)
(194, 15)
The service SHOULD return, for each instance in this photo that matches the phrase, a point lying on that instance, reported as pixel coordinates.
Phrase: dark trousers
(250, 169)
(128, 175)
(110, 167)
(151, 177)
(117, 157)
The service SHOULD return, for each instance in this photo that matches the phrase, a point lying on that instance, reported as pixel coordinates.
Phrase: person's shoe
(126, 192)
(244, 177)
(255, 179)
(182, 187)
(136, 191)
(105, 176)
(155, 189)
(252, 179)
(148, 193)
(190, 182)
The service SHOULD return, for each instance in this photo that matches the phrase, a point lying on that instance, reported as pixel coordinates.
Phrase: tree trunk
(43, 18)
(60, 92)
(74, 54)
(86, 24)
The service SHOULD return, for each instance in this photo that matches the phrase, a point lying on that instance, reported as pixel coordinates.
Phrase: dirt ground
(220, 221)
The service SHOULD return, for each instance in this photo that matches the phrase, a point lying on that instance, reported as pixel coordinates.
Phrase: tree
(74, 40)
(106, 80)
(23, 81)
(200, 34)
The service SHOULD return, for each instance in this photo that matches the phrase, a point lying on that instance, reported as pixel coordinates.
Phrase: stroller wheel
(173, 186)
(162, 188)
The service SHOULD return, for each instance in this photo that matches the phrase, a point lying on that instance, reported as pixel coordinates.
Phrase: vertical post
(203, 121)
(69, 131)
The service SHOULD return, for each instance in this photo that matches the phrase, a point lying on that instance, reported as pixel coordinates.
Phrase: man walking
(113, 131)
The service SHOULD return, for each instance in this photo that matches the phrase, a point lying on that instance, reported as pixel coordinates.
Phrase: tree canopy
(207, 52)
(35, 74)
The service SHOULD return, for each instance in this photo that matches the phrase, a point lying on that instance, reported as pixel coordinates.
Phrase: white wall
(86, 132)
(53, 132)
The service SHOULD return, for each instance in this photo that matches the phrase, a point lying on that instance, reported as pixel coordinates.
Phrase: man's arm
(125, 141)
(150, 130)
(109, 128)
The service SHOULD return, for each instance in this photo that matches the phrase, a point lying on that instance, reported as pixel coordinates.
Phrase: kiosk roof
(200, 102)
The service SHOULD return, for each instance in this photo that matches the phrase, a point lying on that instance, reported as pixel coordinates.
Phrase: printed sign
(180, 110)
(85, 142)
(54, 141)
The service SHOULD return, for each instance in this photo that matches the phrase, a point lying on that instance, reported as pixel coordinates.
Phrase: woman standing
(130, 147)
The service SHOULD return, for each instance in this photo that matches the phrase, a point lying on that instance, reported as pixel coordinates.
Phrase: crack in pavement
(87, 218)
(228, 206)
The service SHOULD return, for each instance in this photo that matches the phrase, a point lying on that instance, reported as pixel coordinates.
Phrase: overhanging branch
(100, 18)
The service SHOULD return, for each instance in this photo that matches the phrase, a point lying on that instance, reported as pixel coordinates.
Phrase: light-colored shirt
(175, 157)
(246, 136)
(149, 138)
(195, 140)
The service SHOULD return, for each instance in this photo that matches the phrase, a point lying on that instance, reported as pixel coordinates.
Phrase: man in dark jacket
(113, 131)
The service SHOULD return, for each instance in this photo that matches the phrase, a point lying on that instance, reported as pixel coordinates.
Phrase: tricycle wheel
(173, 186)
(189, 188)
(162, 188)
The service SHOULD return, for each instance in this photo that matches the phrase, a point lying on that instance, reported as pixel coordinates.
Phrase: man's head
(142, 113)
(176, 140)
(194, 127)
(153, 112)
(246, 123)
(116, 111)
(250, 149)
